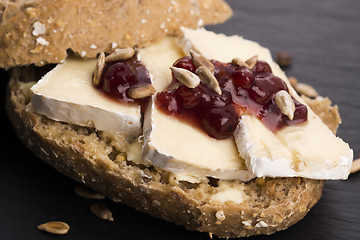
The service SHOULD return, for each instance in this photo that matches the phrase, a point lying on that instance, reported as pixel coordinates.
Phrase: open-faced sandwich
(148, 108)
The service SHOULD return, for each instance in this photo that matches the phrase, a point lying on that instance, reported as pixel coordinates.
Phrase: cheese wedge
(308, 150)
(178, 147)
(67, 94)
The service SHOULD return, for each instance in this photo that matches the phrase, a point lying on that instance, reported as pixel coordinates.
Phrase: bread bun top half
(41, 32)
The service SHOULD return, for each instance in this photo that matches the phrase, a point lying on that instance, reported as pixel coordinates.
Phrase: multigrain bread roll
(97, 159)
(39, 33)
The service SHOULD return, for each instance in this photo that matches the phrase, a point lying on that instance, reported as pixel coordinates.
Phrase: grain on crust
(97, 159)
(42, 32)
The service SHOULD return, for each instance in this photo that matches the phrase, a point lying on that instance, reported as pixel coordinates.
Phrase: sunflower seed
(239, 62)
(88, 193)
(99, 69)
(306, 89)
(199, 60)
(251, 62)
(186, 77)
(120, 54)
(208, 78)
(293, 81)
(355, 166)
(285, 103)
(102, 211)
(141, 91)
(54, 227)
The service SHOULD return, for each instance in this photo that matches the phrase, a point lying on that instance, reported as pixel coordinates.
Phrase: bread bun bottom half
(97, 159)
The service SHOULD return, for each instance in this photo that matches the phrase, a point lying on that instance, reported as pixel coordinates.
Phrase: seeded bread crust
(41, 32)
(97, 159)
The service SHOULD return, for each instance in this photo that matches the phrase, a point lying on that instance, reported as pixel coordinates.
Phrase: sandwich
(197, 128)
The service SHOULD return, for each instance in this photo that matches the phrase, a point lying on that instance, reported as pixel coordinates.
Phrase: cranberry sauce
(118, 77)
(244, 91)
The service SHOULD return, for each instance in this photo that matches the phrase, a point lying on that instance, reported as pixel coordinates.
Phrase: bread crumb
(39, 29)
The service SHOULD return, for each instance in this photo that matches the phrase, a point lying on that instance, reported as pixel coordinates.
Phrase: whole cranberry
(265, 86)
(261, 67)
(167, 102)
(189, 97)
(300, 114)
(220, 123)
(117, 78)
(242, 77)
(186, 63)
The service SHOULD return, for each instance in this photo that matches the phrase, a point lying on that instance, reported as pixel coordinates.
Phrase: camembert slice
(178, 147)
(308, 150)
(66, 94)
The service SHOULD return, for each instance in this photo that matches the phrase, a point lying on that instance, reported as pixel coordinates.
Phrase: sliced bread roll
(98, 159)
(40, 32)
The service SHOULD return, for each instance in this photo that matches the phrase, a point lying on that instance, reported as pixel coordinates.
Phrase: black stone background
(323, 37)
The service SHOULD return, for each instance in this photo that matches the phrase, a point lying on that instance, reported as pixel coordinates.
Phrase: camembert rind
(66, 94)
(283, 154)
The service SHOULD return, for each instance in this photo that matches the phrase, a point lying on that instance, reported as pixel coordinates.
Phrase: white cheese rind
(308, 150)
(67, 94)
(178, 147)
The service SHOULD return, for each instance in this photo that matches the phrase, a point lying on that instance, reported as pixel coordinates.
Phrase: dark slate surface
(323, 37)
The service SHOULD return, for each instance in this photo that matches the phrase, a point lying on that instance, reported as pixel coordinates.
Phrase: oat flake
(42, 41)
(39, 29)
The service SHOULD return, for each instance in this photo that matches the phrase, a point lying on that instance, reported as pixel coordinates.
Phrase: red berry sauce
(118, 77)
(244, 91)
